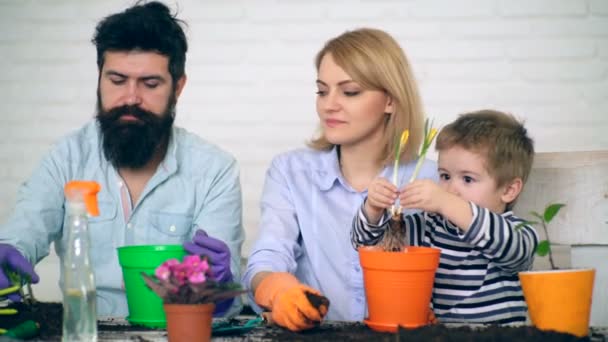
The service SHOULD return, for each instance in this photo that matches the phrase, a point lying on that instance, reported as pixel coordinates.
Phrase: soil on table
(435, 333)
(49, 316)
(316, 300)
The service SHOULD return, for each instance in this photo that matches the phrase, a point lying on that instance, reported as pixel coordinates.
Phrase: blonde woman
(367, 95)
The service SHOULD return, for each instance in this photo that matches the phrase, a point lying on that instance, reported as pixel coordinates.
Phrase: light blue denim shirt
(307, 214)
(196, 185)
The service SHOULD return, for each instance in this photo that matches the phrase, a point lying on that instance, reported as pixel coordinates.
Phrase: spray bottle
(79, 295)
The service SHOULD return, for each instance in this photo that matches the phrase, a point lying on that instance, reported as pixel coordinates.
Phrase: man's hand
(12, 260)
(289, 302)
(381, 194)
(217, 252)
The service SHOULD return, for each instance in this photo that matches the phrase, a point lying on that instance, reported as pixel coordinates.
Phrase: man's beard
(132, 144)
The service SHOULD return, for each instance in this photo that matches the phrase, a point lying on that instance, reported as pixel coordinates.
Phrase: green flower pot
(145, 306)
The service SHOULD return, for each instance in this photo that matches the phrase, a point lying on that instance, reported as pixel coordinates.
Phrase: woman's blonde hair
(376, 62)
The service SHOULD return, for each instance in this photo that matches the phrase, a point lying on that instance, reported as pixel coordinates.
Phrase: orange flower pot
(189, 322)
(398, 286)
(559, 300)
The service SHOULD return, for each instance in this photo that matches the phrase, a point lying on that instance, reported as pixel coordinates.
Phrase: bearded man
(160, 184)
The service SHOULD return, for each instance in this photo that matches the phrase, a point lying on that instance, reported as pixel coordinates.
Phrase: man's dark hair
(146, 27)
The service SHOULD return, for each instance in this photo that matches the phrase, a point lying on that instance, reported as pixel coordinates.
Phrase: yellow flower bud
(431, 135)
(404, 137)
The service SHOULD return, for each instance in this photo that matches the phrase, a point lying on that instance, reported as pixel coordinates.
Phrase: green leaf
(543, 248)
(537, 215)
(525, 223)
(154, 286)
(551, 211)
(397, 141)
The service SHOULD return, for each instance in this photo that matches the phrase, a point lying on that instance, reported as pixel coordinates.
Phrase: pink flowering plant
(189, 282)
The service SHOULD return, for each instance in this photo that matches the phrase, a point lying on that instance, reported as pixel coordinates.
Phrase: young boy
(484, 159)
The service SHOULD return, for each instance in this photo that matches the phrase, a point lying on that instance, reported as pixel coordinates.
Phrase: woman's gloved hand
(289, 303)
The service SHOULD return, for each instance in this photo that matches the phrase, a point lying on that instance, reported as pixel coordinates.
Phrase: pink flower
(197, 278)
(180, 274)
(203, 266)
(192, 260)
(162, 272)
(171, 262)
(189, 282)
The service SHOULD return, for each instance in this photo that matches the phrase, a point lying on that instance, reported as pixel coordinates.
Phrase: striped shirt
(477, 280)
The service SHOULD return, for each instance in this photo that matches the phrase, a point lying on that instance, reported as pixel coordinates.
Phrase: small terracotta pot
(398, 286)
(559, 300)
(189, 322)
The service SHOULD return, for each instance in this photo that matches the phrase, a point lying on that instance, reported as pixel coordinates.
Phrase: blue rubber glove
(219, 260)
(11, 259)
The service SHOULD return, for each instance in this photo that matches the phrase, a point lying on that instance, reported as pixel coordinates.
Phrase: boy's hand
(428, 196)
(381, 194)
(423, 194)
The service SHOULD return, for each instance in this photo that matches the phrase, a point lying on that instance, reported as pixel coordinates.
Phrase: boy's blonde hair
(376, 62)
(499, 137)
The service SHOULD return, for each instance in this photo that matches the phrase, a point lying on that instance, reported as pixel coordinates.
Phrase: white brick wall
(250, 70)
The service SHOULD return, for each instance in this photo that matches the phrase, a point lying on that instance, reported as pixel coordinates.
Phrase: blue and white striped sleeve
(364, 233)
(502, 239)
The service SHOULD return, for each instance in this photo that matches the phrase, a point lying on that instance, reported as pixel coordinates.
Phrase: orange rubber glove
(285, 297)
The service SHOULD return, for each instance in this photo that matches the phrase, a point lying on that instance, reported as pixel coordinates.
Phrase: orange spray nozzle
(85, 190)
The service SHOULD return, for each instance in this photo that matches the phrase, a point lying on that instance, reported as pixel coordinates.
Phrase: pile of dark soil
(436, 333)
(49, 316)
(490, 333)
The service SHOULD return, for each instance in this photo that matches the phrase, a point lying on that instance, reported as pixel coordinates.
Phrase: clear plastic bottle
(79, 295)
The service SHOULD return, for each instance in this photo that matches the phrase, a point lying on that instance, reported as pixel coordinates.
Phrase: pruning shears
(26, 296)
(24, 330)
(4, 292)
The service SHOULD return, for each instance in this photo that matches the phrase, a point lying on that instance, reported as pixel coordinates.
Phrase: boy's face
(463, 173)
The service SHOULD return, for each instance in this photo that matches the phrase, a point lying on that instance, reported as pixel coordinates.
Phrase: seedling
(544, 246)
(396, 237)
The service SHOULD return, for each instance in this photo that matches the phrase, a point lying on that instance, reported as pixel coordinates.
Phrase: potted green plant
(398, 278)
(557, 299)
(189, 292)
